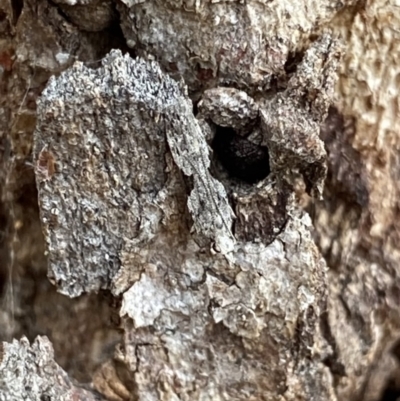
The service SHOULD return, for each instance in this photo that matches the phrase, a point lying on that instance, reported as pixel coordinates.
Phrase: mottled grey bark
(28, 372)
(180, 188)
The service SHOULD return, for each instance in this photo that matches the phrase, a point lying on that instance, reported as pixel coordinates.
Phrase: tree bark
(217, 207)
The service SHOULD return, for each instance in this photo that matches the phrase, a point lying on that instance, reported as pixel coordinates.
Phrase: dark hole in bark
(3, 16)
(195, 107)
(396, 350)
(17, 6)
(391, 392)
(292, 61)
(241, 158)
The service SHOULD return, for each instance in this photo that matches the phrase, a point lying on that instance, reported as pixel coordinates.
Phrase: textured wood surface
(218, 205)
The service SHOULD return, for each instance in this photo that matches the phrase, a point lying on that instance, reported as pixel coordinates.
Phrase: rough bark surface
(117, 215)
(176, 186)
(29, 372)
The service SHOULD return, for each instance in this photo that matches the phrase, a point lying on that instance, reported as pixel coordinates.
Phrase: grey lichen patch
(100, 151)
(29, 372)
(229, 107)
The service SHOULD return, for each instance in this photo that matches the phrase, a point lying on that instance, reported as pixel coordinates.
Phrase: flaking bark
(116, 190)
(221, 291)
